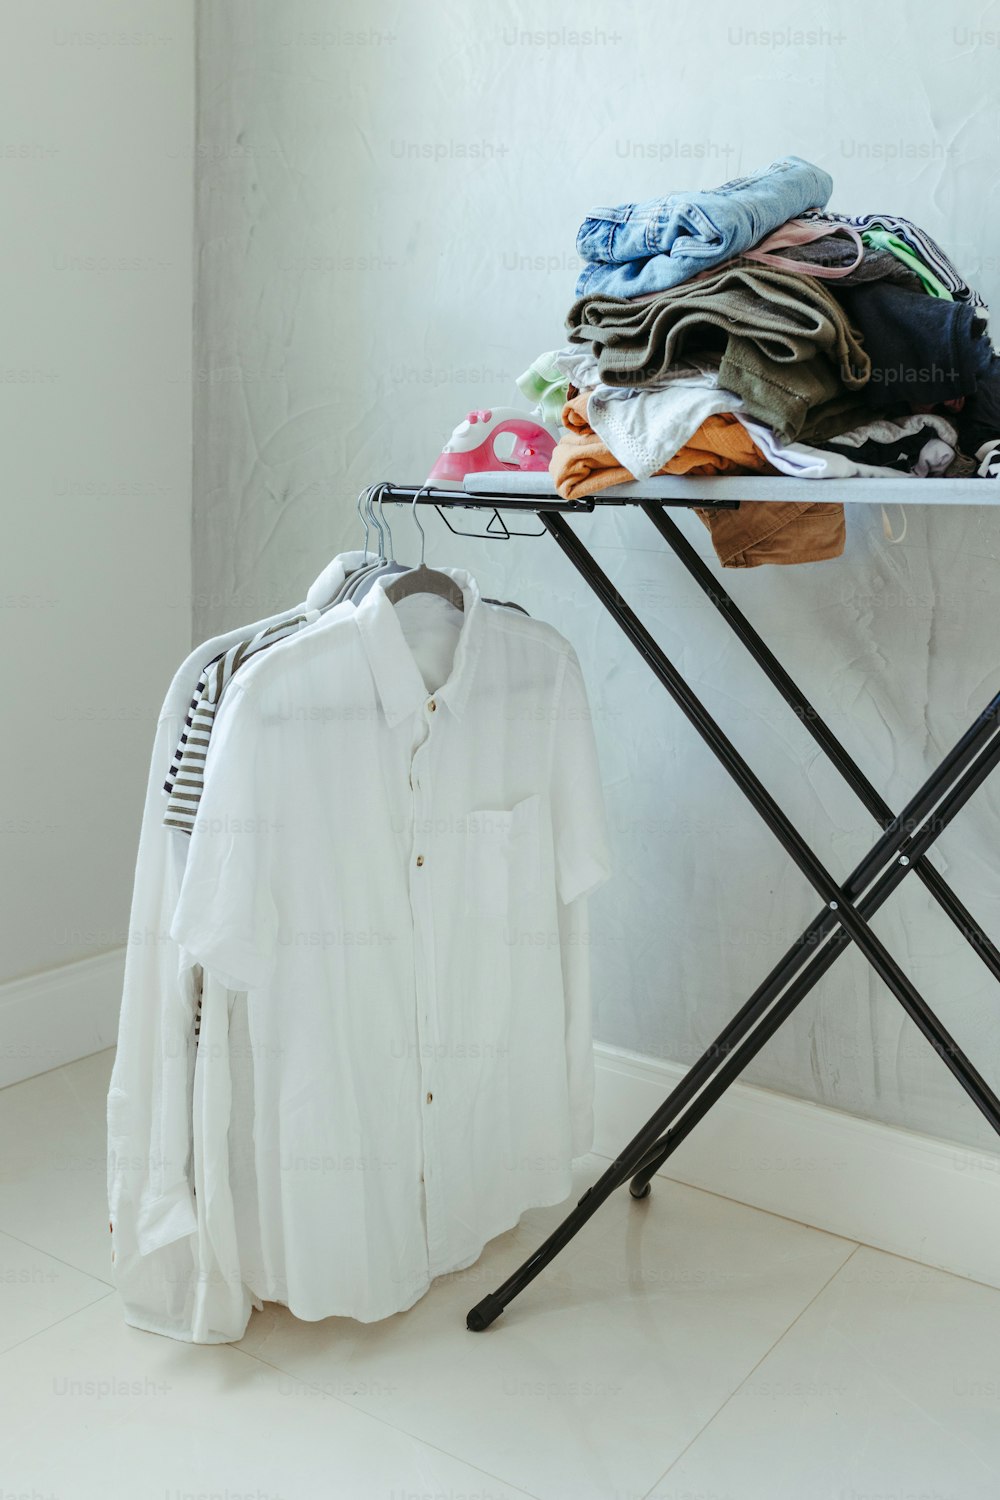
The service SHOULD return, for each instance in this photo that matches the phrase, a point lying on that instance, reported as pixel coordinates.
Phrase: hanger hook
(385, 522)
(413, 513)
(364, 519)
(370, 508)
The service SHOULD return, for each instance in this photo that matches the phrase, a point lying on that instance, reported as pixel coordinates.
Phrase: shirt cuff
(161, 1221)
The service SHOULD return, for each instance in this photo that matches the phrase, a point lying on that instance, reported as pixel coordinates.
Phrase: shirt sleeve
(226, 919)
(149, 1107)
(579, 823)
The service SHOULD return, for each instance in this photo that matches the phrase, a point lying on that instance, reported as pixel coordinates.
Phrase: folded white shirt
(644, 427)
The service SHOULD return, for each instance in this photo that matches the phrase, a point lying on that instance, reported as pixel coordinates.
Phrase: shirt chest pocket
(503, 856)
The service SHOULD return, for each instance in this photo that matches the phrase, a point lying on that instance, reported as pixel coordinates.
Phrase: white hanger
(422, 579)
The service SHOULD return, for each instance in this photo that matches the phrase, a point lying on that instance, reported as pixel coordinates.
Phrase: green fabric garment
(544, 383)
(833, 417)
(883, 240)
(781, 394)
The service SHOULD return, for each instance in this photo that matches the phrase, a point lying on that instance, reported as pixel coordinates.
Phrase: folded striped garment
(918, 239)
(185, 779)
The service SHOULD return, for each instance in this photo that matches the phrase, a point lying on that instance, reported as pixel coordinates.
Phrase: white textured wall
(96, 164)
(387, 203)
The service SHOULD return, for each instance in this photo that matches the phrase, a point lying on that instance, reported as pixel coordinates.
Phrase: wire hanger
(374, 519)
(366, 496)
(391, 553)
(383, 568)
(422, 579)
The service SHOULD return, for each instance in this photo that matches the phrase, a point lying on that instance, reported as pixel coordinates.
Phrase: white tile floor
(686, 1348)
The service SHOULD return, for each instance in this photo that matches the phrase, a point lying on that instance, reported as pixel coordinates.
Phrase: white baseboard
(913, 1195)
(59, 1015)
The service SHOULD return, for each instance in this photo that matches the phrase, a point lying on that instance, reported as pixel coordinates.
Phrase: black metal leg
(850, 923)
(908, 819)
(820, 731)
(894, 845)
(733, 1060)
(787, 835)
(650, 1138)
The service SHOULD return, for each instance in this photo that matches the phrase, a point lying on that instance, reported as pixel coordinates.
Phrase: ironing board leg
(817, 727)
(650, 1138)
(894, 845)
(787, 835)
(731, 1061)
(850, 923)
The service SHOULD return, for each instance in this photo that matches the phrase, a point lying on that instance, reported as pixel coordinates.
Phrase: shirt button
(420, 859)
(432, 706)
(429, 1098)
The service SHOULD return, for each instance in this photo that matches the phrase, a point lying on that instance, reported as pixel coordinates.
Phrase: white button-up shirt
(402, 808)
(153, 1215)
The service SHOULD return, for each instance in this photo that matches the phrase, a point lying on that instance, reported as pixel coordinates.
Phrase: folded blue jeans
(651, 246)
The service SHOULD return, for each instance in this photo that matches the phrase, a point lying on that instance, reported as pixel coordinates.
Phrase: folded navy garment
(923, 350)
(979, 420)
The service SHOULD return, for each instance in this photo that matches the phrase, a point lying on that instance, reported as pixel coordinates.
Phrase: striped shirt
(178, 754)
(920, 243)
(184, 781)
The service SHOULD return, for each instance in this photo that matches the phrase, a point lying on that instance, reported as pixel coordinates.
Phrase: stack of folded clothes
(747, 330)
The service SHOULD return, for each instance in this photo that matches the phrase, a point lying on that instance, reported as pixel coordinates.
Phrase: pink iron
(471, 449)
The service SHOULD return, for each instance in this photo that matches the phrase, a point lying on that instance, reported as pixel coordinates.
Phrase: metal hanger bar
(404, 494)
(518, 500)
(497, 528)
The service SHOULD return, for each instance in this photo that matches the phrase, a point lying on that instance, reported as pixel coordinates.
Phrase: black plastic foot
(642, 1192)
(484, 1313)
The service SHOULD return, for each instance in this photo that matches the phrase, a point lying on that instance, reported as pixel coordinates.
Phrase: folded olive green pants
(790, 351)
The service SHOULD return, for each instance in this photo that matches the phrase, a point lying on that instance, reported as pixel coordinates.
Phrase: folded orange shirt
(582, 465)
(783, 532)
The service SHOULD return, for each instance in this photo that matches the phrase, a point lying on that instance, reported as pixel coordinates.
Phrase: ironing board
(847, 906)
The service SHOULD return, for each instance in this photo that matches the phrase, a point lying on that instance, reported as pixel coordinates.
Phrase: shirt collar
(332, 579)
(400, 686)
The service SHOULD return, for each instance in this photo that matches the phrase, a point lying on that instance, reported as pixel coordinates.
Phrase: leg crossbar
(843, 919)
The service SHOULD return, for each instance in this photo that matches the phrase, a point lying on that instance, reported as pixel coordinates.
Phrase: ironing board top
(903, 490)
